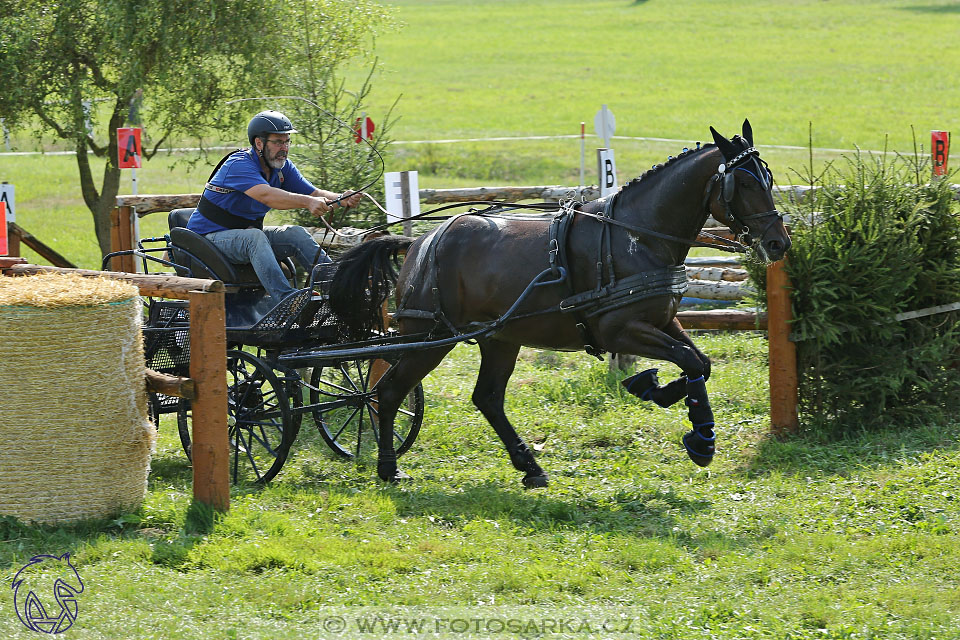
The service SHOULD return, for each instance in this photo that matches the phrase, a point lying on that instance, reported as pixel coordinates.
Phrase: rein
(730, 246)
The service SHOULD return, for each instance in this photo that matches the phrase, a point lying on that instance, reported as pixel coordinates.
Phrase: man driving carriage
(249, 183)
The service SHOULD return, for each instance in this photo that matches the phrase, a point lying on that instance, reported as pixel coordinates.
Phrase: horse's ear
(727, 148)
(748, 132)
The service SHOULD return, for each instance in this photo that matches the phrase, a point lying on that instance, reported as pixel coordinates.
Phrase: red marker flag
(940, 149)
(361, 132)
(4, 247)
(128, 147)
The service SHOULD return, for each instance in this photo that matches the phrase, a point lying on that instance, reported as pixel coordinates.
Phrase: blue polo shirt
(241, 171)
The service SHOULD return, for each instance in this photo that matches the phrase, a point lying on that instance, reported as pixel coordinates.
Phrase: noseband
(740, 224)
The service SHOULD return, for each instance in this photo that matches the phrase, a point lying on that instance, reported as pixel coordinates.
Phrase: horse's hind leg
(392, 390)
(498, 360)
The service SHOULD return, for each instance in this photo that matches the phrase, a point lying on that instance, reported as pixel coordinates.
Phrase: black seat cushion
(209, 262)
(218, 267)
(179, 217)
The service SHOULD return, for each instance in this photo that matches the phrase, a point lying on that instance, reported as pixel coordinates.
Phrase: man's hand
(351, 198)
(318, 206)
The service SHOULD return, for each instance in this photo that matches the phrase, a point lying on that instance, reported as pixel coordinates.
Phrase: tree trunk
(101, 202)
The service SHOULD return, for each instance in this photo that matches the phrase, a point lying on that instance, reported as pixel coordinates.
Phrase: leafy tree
(188, 58)
(327, 35)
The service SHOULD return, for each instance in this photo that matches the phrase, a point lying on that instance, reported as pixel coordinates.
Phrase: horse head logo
(40, 578)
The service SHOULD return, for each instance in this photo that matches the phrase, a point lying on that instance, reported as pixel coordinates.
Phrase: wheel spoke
(355, 432)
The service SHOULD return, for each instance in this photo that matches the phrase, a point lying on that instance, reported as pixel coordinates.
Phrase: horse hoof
(699, 447)
(536, 482)
(641, 384)
(397, 477)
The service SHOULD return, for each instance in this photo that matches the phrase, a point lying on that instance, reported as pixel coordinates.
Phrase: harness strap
(640, 286)
(559, 233)
(730, 246)
(224, 218)
(428, 276)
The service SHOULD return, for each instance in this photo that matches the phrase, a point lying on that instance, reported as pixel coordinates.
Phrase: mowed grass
(778, 539)
(858, 69)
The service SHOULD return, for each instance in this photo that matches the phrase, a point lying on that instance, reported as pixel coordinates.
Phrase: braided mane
(687, 152)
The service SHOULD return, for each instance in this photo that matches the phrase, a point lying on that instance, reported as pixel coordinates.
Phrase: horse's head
(744, 196)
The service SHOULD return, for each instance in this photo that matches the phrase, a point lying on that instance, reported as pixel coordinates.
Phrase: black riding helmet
(268, 122)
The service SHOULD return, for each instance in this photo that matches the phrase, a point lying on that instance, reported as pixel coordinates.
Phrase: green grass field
(796, 539)
(858, 70)
(805, 538)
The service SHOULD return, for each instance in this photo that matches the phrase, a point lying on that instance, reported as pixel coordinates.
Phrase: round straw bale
(75, 441)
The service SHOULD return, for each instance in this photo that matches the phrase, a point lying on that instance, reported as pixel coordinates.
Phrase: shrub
(870, 243)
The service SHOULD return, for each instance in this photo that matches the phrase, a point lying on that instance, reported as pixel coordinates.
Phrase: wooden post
(210, 441)
(784, 394)
(13, 241)
(121, 238)
(115, 237)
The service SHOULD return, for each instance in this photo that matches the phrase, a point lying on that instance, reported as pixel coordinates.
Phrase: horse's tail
(363, 280)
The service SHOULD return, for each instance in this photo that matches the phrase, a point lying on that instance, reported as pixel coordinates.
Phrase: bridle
(748, 161)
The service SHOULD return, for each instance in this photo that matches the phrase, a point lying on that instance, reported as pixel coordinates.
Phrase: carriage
(294, 360)
(603, 276)
(277, 368)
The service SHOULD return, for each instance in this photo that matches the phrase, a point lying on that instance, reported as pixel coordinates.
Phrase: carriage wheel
(347, 417)
(260, 422)
(184, 422)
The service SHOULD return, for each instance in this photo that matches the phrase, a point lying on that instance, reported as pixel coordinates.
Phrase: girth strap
(559, 234)
(647, 284)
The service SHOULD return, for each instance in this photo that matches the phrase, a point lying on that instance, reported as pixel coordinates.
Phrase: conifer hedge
(875, 239)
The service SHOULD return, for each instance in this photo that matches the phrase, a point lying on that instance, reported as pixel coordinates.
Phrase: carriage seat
(210, 262)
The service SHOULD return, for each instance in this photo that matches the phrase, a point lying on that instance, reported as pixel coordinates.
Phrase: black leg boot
(645, 385)
(699, 442)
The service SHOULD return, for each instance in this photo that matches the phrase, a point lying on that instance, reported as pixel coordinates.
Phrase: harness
(740, 225)
(609, 293)
(426, 278)
(219, 215)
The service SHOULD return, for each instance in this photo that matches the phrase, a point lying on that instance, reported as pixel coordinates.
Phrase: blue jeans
(261, 249)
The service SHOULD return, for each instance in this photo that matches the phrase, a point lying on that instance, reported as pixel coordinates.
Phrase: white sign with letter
(607, 170)
(6, 195)
(402, 194)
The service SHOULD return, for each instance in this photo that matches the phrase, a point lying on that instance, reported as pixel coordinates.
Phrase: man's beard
(273, 161)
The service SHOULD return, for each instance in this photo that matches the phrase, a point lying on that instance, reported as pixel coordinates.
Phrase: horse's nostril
(774, 247)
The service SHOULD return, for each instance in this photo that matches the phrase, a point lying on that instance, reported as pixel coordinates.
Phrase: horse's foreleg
(673, 345)
(700, 441)
(498, 360)
(676, 331)
(643, 339)
(645, 384)
(392, 390)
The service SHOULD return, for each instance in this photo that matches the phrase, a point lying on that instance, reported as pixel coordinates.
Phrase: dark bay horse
(617, 278)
